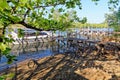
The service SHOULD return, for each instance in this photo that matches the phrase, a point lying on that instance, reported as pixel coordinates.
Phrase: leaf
(1, 25)
(3, 46)
(11, 75)
(60, 9)
(50, 16)
(4, 5)
(10, 58)
(48, 0)
(20, 33)
(3, 77)
(33, 14)
(6, 51)
(52, 10)
(24, 1)
(29, 6)
(8, 39)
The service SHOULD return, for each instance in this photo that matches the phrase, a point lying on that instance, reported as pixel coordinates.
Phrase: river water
(38, 50)
(30, 51)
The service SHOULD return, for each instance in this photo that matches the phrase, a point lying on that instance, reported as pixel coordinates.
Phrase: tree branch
(26, 14)
(29, 26)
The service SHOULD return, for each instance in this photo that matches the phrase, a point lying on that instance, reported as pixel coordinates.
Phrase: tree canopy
(91, 25)
(113, 19)
(38, 14)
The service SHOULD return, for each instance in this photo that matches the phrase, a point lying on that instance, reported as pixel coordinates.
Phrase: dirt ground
(100, 63)
(66, 67)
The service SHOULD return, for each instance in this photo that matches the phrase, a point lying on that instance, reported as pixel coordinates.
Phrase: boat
(30, 35)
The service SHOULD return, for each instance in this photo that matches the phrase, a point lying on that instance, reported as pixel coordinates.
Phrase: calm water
(30, 51)
(38, 50)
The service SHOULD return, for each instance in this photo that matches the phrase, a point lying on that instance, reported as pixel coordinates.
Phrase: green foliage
(10, 76)
(29, 12)
(20, 33)
(113, 3)
(1, 25)
(5, 50)
(3, 5)
(11, 58)
(84, 20)
(86, 25)
(113, 19)
(3, 47)
(117, 28)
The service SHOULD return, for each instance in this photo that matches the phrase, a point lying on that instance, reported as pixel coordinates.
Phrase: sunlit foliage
(113, 19)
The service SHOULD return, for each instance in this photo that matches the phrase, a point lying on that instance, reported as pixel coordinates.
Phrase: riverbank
(116, 33)
(65, 67)
(82, 65)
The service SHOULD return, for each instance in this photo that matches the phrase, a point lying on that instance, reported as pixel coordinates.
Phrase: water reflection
(39, 50)
(31, 50)
(34, 48)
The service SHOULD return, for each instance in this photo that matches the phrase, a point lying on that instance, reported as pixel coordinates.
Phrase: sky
(94, 13)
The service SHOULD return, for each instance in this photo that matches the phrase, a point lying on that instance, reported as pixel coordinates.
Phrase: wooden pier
(73, 44)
